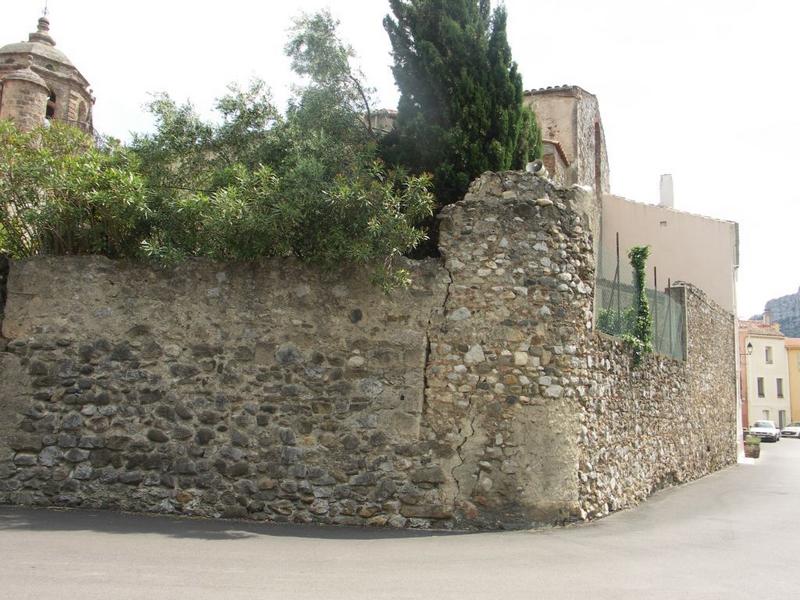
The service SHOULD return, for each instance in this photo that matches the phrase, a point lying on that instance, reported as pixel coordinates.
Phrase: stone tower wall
(519, 252)
(73, 98)
(23, 102)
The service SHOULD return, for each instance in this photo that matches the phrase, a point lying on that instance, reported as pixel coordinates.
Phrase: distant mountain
(786, 312)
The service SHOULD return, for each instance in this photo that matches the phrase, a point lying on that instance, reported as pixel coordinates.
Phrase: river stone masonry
(481, 397)
(661, 423)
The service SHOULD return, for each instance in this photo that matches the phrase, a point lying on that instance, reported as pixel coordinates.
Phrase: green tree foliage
(261, 184)
(59, 194)
(317, 53)
(461, 106)
(186, 153)
(252, 183)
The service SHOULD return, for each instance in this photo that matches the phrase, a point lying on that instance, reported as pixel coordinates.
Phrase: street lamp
(743, 387)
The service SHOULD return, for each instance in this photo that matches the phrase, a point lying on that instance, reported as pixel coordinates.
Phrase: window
(765, 414)
(781, 419)
(780, 387)
(51, 106)
(769, 355)
(760, 384)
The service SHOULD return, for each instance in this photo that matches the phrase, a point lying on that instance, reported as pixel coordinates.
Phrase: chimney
(667, 199)
(767, 317)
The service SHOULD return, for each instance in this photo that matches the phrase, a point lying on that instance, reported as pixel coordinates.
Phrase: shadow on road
(47, 519)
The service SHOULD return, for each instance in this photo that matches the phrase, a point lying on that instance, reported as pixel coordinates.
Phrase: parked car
(791, 430)
(765, 430)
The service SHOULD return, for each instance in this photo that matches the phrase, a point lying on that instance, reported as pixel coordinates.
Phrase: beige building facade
(766, 373)
(38, 83)
(793, 359)
(684, 246)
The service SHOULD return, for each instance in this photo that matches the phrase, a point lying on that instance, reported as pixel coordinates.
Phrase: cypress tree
(460, 110)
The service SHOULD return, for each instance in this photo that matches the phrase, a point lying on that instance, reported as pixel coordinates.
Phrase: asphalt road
(735, 534)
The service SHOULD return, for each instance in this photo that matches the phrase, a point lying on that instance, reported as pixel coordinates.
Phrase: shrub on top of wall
(256, 183)
(59, 194)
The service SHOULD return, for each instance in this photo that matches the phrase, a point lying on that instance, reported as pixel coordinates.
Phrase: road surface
(735, 534)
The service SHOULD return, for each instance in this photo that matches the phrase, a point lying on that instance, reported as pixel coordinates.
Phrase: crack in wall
(426, 360)
(460, 447)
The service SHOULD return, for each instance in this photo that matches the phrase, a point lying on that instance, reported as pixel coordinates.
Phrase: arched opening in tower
(51, 106)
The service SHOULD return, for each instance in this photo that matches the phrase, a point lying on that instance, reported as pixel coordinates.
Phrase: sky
(702, 89)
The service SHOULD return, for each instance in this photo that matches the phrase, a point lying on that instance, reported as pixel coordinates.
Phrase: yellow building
(765, 374)
(793, 351)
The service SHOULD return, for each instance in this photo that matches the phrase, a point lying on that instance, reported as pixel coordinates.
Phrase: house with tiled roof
(764, 366)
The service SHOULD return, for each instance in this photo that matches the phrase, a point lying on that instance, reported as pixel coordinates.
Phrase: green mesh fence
(615, 314)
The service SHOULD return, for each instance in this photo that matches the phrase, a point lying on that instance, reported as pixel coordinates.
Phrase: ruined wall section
(501, 399)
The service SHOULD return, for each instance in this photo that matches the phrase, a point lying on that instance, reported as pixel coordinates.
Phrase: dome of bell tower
(70, 97)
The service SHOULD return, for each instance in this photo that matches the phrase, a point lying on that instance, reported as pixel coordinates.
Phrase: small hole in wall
(663, 223)
(402, 397)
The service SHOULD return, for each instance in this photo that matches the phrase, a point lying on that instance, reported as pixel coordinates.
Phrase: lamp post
(743, 384)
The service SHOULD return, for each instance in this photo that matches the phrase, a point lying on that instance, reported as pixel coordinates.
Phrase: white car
(791, 430)
(765, 430)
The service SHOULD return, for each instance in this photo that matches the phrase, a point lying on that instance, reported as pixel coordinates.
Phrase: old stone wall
(478, 398)
(660, 423)
(266, 391)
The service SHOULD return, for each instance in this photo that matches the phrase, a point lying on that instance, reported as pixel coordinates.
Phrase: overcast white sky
(703, 89)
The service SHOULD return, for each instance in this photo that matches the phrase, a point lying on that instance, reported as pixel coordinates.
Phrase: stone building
(574, 144)
(38, 83)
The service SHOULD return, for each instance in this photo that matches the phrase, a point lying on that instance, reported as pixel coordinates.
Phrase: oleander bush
(253, 183)
(60, 194)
